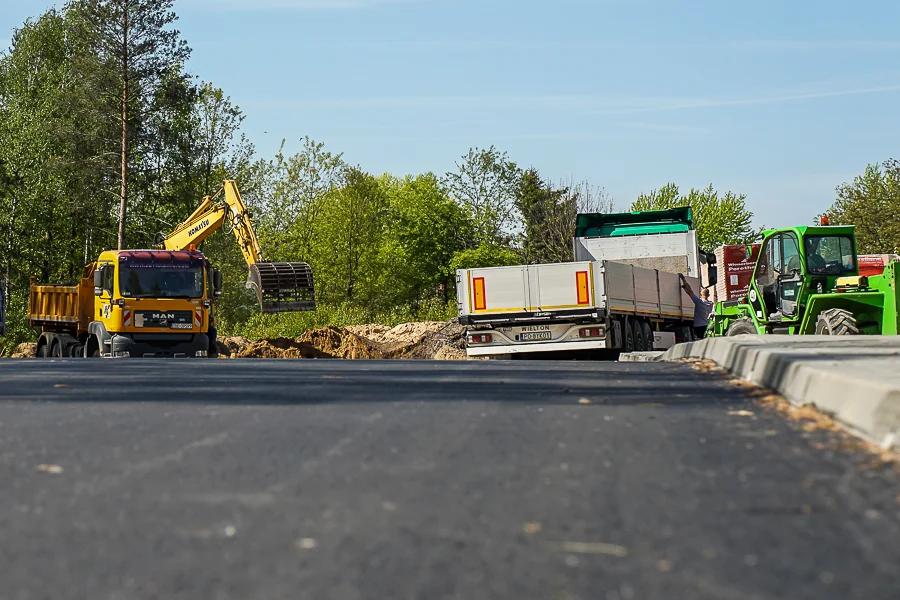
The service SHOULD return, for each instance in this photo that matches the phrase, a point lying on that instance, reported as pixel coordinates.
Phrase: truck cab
(130, 303)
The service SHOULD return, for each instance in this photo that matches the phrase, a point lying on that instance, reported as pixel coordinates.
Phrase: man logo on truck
(164, 316)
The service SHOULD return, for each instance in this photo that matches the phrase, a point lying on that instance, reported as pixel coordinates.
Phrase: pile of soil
(25, 350)
(428, 340)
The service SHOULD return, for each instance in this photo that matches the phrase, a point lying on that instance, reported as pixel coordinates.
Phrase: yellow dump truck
(130, 303)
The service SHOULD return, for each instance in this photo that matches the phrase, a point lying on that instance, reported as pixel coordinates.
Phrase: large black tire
(213, 351)
(638, 335)
(628, 335)
(740, 327)
(836, 321)
(56, 350)
(43, 351)
(647, 331)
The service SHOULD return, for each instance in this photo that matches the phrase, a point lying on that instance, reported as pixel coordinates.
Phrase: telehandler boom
(279, 286)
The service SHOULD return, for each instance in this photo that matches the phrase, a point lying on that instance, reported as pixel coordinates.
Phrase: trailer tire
(638, 335)
(628, 335)
(648, 336)
(740, 327)
(836, 321)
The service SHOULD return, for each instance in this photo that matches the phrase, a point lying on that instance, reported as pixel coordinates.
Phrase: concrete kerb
(856, 380)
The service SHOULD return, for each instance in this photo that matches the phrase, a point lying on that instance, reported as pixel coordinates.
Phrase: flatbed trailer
(622, 292)
(586, 305)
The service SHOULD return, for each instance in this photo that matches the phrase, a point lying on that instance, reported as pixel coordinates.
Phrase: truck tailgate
(526, 289)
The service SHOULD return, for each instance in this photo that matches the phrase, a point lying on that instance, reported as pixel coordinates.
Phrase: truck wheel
(740, 327)
(638, 335)
(836, 321)
(648, 336)
(56, 351)
(43, 351)
(628, 334)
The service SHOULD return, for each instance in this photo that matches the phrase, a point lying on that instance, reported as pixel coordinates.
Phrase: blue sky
(781, 100)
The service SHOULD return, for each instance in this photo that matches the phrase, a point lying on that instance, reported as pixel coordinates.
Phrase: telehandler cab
(806, 281)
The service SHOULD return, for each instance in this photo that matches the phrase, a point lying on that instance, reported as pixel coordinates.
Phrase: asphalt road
(420, 480)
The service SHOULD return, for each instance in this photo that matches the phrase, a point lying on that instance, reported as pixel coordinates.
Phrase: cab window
(830, 255)
(108, 278)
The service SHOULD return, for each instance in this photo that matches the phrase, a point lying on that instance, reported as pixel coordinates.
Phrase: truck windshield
(830, 255)
(160, 281)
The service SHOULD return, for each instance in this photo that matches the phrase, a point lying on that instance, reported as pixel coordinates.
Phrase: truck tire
(628, 335)
(638, 335)
(56, 350)
(648, 336)
(740, 327)
(836, 321)
(43, 351)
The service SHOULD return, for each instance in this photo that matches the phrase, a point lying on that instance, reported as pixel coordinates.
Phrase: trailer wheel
(740, 327)
(648, 336)
(638, 335)
(836, 321)
(628, 334)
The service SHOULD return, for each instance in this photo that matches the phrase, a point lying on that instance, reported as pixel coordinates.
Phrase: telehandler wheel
(638, 335)
(740, 327)
(647, 331)
(628, 334)
(836, 321)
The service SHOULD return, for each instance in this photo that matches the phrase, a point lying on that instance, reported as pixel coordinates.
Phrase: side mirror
(713, 275)
(98, 277)
(217, 282)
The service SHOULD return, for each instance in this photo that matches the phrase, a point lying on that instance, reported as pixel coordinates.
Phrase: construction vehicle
(160, 302)
(129, 303)
(806, 281)
(279, 286)
(622, 293)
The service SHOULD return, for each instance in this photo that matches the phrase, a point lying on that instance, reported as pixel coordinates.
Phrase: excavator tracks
(282, 286)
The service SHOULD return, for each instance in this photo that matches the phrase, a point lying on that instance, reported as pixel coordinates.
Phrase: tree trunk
(123, 194)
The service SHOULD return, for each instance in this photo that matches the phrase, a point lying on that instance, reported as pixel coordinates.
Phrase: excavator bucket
(282, 286)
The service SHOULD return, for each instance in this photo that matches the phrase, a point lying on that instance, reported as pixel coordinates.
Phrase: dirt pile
(26, 350)
(428, 340)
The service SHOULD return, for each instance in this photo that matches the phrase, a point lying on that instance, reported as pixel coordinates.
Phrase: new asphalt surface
(252, 479)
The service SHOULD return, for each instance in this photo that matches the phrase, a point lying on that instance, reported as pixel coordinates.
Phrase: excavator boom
(279, 286)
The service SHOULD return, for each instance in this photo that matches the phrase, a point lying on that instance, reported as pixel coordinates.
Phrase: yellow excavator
(279, 286)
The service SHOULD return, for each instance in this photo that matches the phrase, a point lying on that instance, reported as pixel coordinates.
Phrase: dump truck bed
(61, 307)
(570, 291)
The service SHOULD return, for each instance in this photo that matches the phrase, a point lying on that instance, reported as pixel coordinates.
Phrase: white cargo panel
(528, 288)
(592, 286)
(668, 252)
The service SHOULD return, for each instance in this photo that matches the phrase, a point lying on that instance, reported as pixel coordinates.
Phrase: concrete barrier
(855, 379)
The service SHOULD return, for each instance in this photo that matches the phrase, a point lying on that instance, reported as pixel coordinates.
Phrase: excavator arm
(279, 286)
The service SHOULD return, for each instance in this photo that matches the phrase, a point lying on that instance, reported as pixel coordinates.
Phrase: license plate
(180, 325)
(533, 336)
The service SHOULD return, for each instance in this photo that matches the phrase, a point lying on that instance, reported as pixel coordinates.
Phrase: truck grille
(173, 319)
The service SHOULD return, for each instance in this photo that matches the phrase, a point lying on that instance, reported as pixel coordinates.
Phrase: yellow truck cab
(130, 303)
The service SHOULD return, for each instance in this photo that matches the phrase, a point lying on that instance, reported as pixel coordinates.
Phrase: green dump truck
(806, 281)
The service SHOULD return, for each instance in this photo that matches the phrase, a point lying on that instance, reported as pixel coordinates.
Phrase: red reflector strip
(581, 282)
(126, 317)
(198, 318)
(480, 301)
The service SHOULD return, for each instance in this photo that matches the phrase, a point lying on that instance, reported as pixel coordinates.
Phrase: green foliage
(871, 202)
(484, 255)
(718, 220)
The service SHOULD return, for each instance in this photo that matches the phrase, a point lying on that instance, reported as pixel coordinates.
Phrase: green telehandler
(806, 281)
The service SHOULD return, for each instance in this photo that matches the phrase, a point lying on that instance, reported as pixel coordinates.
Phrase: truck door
(765, 278)
(790, 280)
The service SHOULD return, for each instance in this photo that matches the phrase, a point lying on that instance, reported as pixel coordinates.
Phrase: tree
(719, 220)
(136, 51)
(871, 203)
(485, 184)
